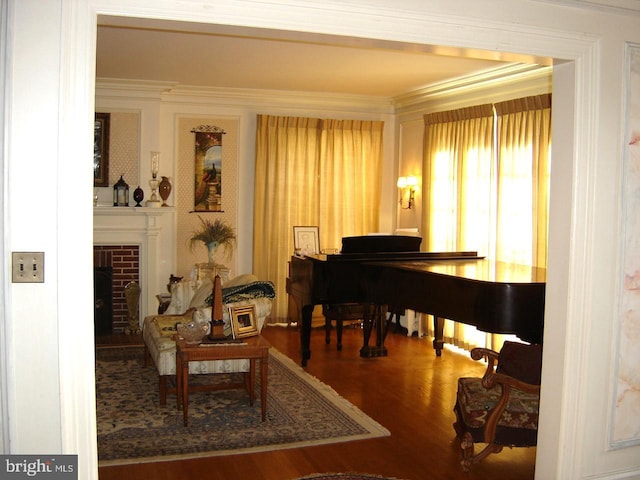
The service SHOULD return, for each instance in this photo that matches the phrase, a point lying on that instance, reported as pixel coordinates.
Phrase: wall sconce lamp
(405, 183)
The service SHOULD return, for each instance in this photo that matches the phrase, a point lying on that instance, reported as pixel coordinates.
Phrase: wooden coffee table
(252, 348)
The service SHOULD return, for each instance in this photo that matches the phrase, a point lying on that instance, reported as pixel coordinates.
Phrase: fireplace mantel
(152, 229)
(134, 211)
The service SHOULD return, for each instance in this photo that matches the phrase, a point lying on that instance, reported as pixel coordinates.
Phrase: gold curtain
(312, 171)
(524, 163)
(486, 171)
(457, 204)
(350, 165)
(457, 159)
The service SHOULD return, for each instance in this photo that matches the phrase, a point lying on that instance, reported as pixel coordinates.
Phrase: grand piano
(372, 270)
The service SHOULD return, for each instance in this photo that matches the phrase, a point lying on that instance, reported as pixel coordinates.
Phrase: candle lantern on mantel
(121, 193)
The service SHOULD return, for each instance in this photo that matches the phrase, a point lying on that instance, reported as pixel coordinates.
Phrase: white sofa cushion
(181, 294)
(201, 294)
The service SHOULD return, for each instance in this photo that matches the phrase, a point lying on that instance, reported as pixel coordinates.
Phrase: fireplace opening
(103, 300)
(115, 266)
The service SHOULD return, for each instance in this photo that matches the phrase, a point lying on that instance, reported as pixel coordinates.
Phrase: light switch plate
(27, 267)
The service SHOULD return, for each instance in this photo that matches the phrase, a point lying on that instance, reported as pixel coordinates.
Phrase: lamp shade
(404, 182)
(412, 181)
(407, 183)
(155, 163)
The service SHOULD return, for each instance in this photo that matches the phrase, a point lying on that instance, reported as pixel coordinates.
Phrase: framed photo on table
(306, 240)
(243, 321)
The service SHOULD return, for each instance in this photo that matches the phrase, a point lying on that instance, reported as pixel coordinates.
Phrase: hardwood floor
(411, 392)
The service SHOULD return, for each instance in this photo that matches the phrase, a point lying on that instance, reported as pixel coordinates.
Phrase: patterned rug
(134, 428)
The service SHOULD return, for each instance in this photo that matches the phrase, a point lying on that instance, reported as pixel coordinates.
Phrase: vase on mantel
(164, 188)
(138, 196)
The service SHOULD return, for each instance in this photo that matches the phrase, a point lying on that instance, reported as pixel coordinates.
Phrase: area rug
(301, 411)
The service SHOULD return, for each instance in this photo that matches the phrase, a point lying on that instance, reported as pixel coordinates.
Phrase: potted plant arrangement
(214, 235)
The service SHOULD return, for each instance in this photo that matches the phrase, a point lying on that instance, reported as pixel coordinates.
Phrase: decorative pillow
(243, 279)
(167, 323)
(203, 291)
(521, 361)
(181, 294)
(202, 315)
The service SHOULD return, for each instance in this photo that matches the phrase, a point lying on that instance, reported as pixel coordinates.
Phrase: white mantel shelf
(149, 211)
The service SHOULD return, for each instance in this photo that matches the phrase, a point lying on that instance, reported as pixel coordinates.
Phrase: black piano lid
(477, 269)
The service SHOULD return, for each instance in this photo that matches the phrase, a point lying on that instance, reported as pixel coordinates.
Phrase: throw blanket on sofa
(246, 292)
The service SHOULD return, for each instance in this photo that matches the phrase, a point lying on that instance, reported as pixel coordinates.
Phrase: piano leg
(305, 333)
(374, 317)
(438, 338)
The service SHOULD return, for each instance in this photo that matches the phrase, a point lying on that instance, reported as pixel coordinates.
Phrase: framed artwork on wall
(101, 150)
(306, 240)
(208, 169)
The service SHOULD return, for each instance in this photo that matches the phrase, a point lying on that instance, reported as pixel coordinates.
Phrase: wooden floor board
(411, 392)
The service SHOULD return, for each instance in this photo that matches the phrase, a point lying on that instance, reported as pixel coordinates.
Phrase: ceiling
(207, 55)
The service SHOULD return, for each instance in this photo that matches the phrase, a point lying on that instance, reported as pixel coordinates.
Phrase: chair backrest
(521, 361)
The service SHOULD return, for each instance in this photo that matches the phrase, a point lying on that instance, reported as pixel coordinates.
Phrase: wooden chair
(501, 408)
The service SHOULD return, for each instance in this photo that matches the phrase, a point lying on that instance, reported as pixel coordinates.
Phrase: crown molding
(624, 7)
(172, 92)
(521, 78)
(127, 88)
(278, 99)
(517, 79)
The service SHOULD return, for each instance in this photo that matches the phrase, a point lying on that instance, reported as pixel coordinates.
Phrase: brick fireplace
(123, 263)
(139, 244)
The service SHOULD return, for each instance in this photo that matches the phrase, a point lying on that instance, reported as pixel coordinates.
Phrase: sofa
(191, 300)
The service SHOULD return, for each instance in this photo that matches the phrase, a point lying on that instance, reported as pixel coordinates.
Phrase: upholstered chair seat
(501, 408)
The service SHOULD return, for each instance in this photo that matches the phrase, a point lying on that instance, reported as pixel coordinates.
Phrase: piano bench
(339, 312)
